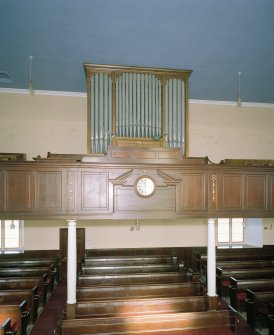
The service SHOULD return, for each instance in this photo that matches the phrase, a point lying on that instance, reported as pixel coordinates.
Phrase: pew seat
(223, 321)
(145, 306)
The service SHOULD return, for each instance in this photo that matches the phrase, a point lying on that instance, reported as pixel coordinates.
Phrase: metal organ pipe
(136, 107)
(101, 104)
(175, 111)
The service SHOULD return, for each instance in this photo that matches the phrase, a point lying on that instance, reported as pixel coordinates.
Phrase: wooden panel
(95, 191)
(2, 191)
(18, 190)
(230, 191)
(48, 190)
(192, 191)
(271, 192)
(255, 191)
(127, 200)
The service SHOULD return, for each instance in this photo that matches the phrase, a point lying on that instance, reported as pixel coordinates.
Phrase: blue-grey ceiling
(214, 38)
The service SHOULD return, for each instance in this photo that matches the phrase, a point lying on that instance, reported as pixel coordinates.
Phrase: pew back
(139, 290)
(136, 278)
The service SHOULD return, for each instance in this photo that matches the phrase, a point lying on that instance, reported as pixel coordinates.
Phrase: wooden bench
(257, 307)
(14, 283)
(33, 262)
(270, 320)
(201, 259)
(18, 314)
(90, 270)
(129, 260)
(9, 297)
(30, 272)
(132, 278)
(147, 306)
(251, 264)
(5, 327)
(139, 291)
(223, 276)
(238, 287)
(222, 322)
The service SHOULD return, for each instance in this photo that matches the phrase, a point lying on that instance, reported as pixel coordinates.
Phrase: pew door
(80, 236)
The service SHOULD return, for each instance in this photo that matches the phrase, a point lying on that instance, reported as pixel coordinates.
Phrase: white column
(211, 259)
(71, 263)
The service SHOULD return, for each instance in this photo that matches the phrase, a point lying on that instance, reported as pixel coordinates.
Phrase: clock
(145, 186)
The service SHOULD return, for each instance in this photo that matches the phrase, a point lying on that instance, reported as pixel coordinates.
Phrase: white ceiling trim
(84, 95)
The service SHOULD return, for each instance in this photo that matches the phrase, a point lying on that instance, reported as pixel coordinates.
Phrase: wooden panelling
(255, 192)
(18, 190)
(271, 192)
(94, 191)
(192, 192)
(2, 191)
(48, 190)
(126, 200)
(230, 191)
(105, 190)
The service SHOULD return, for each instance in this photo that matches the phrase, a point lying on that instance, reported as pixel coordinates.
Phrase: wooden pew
(129, 260)
(270, 319)
(30, 272)
(257, 307)
(14, 283)
(140, 291)
(201, 259)
(18, 314)
(147, 306)
(132, 278)
(10, 297)
(251, 264)
(238, 287)
(33, 262)
(97, 270)
(5, 327)
(223, 276)
(221, 321)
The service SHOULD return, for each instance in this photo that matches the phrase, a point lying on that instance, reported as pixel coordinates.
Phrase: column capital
(71, 222)
(210, 220)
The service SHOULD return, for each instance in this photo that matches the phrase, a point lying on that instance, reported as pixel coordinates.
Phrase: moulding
(84, 95)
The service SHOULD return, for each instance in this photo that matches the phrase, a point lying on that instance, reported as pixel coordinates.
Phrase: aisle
(52, 312)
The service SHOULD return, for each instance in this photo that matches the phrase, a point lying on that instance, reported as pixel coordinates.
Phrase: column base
(213, 302)
(71, 311)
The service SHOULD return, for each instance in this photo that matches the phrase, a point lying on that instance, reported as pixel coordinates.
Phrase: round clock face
(145, 186)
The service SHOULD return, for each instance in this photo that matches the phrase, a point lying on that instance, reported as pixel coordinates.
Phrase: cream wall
(36, 124)
(222, 131)
(44, 235)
